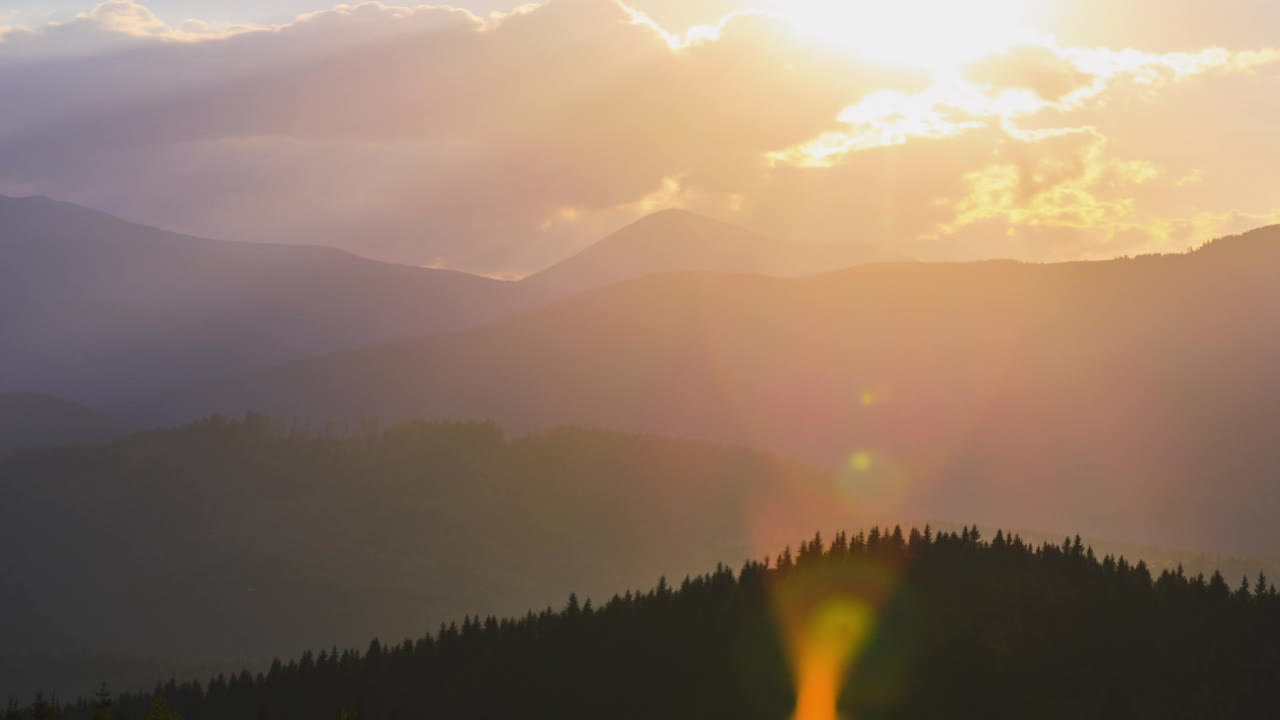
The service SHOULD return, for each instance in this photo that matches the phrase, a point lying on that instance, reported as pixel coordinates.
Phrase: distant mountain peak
(677, 240)
(677, 213)
(680, 220)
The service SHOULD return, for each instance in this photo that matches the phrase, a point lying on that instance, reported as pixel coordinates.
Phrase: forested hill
(37, 421)
(250, 539)
(882, 625)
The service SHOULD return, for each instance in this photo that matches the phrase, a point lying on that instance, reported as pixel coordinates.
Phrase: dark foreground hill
(236, 541)
(100, 310)
(881, 625)
(37, 421)
(1135, 399)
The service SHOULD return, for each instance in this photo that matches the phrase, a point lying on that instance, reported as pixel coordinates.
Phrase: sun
(935, 34)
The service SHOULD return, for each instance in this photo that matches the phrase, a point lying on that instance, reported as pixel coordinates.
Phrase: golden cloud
(1037, 68)
(1057, 181)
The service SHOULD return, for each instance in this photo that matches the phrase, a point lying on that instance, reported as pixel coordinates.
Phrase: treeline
(951, 625)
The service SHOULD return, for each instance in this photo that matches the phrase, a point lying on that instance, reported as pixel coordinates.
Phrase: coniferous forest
(879, 624)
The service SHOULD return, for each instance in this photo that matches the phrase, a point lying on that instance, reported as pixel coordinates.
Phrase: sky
(219, 11)
(32, 12)
(496, 140)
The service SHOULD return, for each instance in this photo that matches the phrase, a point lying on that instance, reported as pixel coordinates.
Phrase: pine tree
(1218, 585)
(102, 704)
(1242, 593)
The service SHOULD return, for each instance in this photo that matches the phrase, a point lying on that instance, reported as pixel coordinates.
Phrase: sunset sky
(498, 144)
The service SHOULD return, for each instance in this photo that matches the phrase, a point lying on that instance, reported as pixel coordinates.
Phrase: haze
(751, 359)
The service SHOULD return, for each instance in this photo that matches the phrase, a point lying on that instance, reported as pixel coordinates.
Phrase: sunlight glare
(935, 34)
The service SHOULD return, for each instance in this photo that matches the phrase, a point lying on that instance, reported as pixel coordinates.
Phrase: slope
(97, 309)
(246, 540)
(884, 624)
(38, 421)
(681, 241)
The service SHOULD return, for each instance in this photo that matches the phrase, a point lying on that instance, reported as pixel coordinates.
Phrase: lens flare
(828, 607)
(861, 462)
(875, 397)
(836, 630)
(872, 483)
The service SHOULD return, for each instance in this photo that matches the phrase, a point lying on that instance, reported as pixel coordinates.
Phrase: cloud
(1032, 157)
(1030, 67)
(108, 26)
(1064, 181)
(428, 135)
(465, 136)
(130, 18)
(1160, 26)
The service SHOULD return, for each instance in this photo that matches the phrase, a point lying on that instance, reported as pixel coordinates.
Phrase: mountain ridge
(677, 240)
(45, 203)
(996, 390)
(34, 422)
(152, 309)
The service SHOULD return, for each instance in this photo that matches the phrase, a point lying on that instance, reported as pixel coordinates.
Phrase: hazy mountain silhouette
(97, 309)
(1135, 399)
(681, 241)
(38, 421)
(236, 541)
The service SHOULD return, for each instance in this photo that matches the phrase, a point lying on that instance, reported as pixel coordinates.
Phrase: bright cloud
(109, 26)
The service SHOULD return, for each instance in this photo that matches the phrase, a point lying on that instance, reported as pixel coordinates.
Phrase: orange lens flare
(836, 630)
(828, 607)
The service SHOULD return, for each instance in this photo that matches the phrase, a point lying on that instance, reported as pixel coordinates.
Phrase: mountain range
(1076, 392)
(103, 311)
(998, 391)
(98, 310)
(1129, 399)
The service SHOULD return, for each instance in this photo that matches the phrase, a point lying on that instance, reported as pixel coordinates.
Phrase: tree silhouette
(160, 710)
